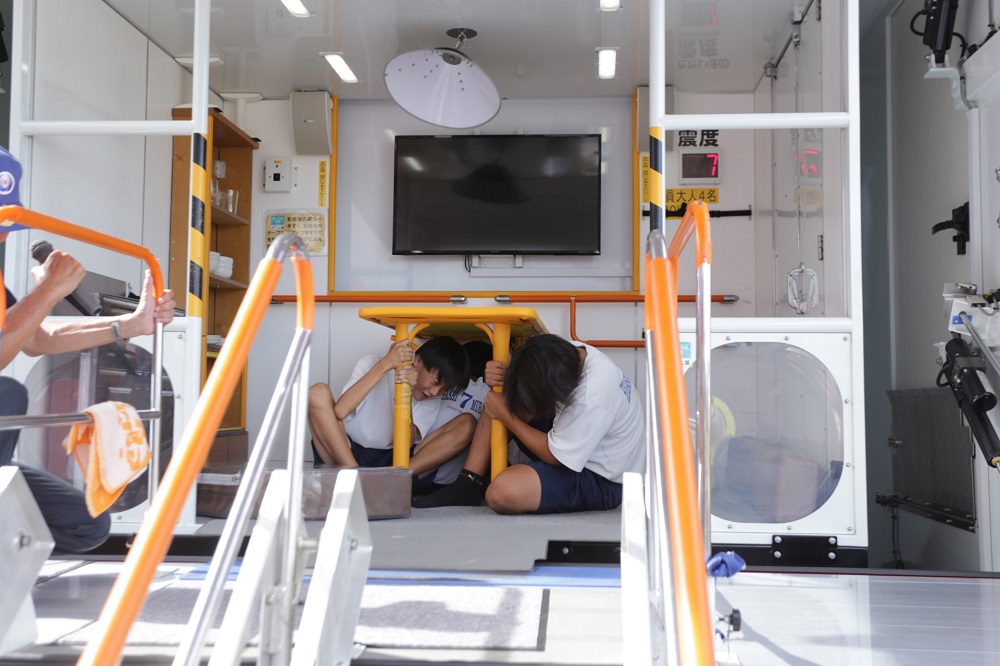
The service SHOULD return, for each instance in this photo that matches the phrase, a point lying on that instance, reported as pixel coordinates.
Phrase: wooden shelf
(216, 282)
(223, 218)
(225, 132)
(225, 232)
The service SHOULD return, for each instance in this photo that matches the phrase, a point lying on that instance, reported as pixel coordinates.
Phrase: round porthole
(777, 435)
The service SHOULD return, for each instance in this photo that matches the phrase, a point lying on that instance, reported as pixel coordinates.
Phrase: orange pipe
(390, 297)
(401, 421)
(703, 235)
(151, 543)
(30, 218)
(694, 632)
(498, 431)
(306, 314)
(523, 297)
(683, 518)
(371, 297)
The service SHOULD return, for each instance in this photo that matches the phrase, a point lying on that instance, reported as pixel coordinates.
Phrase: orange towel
(111, 450)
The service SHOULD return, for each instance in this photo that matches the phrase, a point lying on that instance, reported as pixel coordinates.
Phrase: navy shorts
(565, 491)
(371, 457)
(366, 457)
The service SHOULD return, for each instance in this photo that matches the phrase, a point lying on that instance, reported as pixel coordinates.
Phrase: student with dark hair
(439, 458)
(574, 413)
(357, 429)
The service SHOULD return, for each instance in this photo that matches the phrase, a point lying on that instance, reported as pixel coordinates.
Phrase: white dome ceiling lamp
(443, 86)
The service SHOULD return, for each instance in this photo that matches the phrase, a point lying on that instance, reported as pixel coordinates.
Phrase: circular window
(777, 441)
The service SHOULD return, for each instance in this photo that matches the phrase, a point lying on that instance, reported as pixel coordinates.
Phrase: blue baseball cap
(10, 180)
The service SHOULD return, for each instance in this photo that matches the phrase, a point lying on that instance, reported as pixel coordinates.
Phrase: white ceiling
(530, 48)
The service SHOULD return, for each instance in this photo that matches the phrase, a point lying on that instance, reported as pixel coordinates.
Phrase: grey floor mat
(392, 616)
(477, 539)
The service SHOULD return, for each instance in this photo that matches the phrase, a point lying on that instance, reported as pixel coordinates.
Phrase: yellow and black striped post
(657, 194)
(197, 243)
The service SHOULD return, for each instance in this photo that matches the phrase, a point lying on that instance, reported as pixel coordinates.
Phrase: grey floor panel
(477, 539)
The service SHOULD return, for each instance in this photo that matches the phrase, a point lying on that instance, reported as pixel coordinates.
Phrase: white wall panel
(365, 182)
(91, 181)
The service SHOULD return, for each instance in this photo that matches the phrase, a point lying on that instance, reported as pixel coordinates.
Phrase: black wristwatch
(116, 328)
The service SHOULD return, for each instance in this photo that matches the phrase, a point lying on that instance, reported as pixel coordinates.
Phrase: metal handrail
(18, 215)
(129, 591)
(678, 530)
(210, 597)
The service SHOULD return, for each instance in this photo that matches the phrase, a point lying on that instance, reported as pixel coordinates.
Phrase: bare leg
(328, 431)
(517, 489)
(479, 451)
(443, 444)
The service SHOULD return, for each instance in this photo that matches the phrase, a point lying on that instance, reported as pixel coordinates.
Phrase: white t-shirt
(466, 400)
(370, 424)
(601, 427)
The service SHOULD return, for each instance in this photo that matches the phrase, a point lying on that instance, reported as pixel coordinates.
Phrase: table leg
(401, 414)
(498, 433)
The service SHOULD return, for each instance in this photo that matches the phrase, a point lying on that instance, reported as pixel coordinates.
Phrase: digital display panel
(698, 15)
(700, 166)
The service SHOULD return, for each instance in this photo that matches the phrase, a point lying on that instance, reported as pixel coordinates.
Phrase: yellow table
(499, 325)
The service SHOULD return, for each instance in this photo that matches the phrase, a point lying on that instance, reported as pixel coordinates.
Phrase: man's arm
(55, 337)
(63, 274)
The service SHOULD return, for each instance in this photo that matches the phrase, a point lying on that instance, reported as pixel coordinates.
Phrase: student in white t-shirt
(574, 413)
(357, 429)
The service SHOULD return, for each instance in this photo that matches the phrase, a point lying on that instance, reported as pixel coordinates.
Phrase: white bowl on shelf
(224, 272)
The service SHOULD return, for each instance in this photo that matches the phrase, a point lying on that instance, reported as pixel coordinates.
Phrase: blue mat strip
(544, 576)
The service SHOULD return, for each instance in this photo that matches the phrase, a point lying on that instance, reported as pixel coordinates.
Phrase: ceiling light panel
(340, 66)
(607, 60)
(297, 9)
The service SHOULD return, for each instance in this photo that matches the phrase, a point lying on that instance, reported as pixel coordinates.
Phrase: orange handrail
(680, 503)
(17, 214)
(151, 543)
(518, 297)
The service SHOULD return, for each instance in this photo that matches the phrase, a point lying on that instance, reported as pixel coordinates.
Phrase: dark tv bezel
(469, 252)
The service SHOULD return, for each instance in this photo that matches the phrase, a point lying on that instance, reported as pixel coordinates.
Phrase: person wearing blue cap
(26, 330)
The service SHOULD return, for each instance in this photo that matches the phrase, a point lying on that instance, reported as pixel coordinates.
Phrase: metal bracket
(25, 544)
(803, 550)
(938, 512)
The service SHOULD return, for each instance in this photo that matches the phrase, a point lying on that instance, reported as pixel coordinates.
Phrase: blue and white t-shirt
(466, 400)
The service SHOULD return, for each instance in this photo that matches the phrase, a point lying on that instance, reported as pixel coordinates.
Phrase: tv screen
(499, 194)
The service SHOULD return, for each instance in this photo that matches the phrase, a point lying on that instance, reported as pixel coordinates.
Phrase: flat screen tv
(497, 194)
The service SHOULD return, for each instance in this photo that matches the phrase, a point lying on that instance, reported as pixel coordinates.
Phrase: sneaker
(468, 489)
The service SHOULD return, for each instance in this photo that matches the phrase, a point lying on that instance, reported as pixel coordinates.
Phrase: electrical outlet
(277, 175)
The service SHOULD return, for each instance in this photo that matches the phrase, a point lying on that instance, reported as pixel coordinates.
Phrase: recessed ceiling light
(610, 5)
(607, 59)
(297, 9)
(340, 66)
